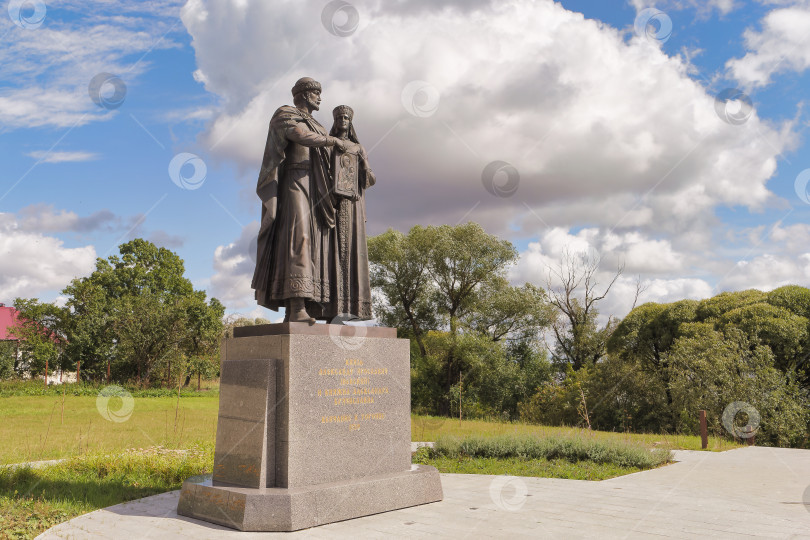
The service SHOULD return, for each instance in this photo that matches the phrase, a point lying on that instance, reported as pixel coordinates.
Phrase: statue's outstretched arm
(306, 137)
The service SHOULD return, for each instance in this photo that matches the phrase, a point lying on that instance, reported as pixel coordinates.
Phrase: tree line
(482, 347)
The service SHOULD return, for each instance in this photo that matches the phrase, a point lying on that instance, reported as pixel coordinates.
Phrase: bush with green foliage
(494, 377)
(568, 448)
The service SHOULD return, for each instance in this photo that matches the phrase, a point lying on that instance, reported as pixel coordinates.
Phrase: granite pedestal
(313, 428)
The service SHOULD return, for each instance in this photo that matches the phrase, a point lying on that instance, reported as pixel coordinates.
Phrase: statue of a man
(352, 176)
(294, 259)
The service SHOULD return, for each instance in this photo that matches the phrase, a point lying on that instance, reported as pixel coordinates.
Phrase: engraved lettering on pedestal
(355, 385)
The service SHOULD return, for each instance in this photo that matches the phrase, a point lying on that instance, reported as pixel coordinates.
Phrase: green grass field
(430, 428)
(34, 428)
(110, 462)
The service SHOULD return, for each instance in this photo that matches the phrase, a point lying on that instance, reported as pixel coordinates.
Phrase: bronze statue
(352, 175)
(294, 266)
(311, 255)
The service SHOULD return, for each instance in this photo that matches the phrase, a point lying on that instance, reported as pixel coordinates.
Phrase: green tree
(792, 298)
(494, 378)
(398, 265)
(671, 360)
(8, 359)
(712, 370)
(561, 401)
(644, 339)
(463, 262)
(779, 319)
(41, 330)
(533, 369)
(446, 288)
(712, 308)
(764, 324)
(623, 397)
(507, 312)
(138, 312)
(89, 325)
(237, 321)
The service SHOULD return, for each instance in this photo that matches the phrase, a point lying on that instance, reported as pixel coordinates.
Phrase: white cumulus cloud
(782, 44)
(233, 270)
(615, 145)
(32, 263)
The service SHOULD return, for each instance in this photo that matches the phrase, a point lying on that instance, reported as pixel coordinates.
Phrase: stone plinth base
(314, 427)
(291, 509)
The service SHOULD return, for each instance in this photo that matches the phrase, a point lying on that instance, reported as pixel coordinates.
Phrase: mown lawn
(166, 440)
(430, 428)
(34, 428)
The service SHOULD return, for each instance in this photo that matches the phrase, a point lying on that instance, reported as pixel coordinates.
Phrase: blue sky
(613, 132)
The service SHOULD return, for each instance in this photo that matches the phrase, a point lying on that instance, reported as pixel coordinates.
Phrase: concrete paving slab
(752, 492)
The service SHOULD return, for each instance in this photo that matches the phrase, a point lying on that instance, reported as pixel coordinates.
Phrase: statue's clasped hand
(347, 147)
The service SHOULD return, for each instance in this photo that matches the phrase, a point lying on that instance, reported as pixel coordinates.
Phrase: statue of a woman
(352, 175)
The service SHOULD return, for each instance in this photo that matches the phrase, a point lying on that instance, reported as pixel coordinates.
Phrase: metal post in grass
(704, 431)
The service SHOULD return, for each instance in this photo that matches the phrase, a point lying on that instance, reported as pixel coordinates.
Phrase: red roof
(8, 320)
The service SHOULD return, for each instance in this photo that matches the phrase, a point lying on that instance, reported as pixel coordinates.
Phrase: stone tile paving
(747, 493)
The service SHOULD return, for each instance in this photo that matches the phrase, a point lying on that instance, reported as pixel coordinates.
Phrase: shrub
(568, 448)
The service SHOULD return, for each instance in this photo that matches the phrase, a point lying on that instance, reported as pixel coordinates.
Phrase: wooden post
(108, 371)
(199, 380)
(704, 431)
(751, 433)
(460, 383)
(46, 372)
(78, 371)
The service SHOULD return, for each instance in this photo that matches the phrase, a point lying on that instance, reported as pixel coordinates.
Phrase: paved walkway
(750, 492)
